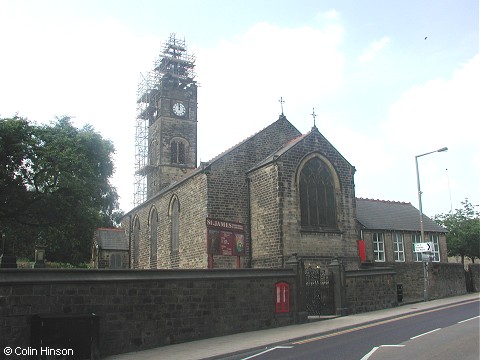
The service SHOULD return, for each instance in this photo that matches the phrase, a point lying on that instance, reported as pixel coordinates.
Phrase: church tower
(166, 130)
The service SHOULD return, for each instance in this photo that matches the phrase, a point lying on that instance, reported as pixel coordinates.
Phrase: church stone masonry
(292, 193)
(277, 228)
(255, 183)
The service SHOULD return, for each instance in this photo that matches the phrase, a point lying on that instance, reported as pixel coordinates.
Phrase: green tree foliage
(463, 238)
(54, 187)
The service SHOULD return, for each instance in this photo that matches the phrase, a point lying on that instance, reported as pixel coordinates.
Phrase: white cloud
(441, 112)
(373, 49)
(86, 69)
(330, 15)
(243, 79)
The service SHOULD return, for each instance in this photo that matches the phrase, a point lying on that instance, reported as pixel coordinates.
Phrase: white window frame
(398, 247)
(378, 239)
(434, 239)
(416, 238)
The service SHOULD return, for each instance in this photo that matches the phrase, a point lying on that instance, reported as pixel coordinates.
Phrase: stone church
(277, 193)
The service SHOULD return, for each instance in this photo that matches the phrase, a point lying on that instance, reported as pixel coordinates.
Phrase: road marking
(421, 312)
(428, 332)
(268, 350)
(370, 353)
(475, 317)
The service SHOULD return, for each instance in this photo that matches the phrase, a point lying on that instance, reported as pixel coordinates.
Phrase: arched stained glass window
(317, 196)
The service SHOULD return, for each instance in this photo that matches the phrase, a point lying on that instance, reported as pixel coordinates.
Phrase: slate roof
(111, 239)
(391, 215)
(206, 164)
(277, 153)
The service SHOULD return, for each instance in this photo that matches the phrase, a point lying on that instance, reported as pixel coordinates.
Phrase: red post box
(282, 297)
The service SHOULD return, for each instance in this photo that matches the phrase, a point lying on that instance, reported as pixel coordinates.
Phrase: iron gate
(319, 292)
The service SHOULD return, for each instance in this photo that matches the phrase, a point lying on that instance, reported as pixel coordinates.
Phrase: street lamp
(422, 232)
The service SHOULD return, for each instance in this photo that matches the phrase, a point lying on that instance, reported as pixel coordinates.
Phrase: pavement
(222, 346)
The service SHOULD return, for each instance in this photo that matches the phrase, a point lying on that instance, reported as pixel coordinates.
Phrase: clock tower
(166, 136)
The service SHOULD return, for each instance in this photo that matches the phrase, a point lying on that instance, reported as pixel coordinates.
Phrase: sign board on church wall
(225, 238)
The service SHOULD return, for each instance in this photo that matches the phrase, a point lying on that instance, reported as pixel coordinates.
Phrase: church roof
(205, 165)
(392, 215)
(218, 157)
(111, 239)
(282, 150)
(275, 155)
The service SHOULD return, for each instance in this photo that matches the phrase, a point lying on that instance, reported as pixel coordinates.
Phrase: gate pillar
(298, 266)
(338, 274)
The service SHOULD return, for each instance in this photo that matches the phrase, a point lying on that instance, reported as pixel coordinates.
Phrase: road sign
(423, 247)
(426, 257)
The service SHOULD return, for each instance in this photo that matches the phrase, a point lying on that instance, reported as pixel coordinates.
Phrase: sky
(389, 80)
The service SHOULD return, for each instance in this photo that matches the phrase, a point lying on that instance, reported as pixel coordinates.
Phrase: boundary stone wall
(445, 279)
(474, 270)
(370, 289)
(143, 309)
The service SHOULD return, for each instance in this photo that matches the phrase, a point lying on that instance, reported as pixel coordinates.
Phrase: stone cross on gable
(314, 116)
(281, 101)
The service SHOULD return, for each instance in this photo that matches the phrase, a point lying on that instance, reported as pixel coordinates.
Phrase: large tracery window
(317, 196)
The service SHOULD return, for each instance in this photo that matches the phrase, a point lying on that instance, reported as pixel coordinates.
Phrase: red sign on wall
(225, 238)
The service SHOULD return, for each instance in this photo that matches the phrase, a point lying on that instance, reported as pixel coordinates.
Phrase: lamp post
(422, 232)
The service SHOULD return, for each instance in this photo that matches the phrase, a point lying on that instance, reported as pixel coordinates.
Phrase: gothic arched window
(175, 214)
(136, 242)
(153, 238)
(317, 196)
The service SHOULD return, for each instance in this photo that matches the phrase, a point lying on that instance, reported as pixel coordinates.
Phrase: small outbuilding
(110, 249)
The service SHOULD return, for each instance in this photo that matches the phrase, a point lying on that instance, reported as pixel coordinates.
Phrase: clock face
(179, 109)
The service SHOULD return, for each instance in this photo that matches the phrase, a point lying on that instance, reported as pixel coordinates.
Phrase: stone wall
(144, 309)
(228, 197)
(474, 270)
(370, 289)
(267, 251)
(445, 280)
(192, 253)
(317, 247)
(104, 261)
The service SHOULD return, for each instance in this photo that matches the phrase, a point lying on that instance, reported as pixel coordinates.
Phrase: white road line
(428, 332)
(475, 317)
(370, 353)
(268, 350)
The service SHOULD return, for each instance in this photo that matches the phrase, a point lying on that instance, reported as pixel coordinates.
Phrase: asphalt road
(450, 332)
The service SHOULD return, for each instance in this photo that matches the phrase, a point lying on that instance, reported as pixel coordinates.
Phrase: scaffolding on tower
(178, 66)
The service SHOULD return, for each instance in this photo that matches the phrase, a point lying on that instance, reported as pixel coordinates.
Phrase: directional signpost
(423, 247)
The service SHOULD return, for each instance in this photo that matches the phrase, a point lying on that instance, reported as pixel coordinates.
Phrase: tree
(463, 238)
(55, 187)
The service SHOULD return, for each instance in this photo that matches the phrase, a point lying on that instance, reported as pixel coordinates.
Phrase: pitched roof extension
(392, 215)
(111, 239)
